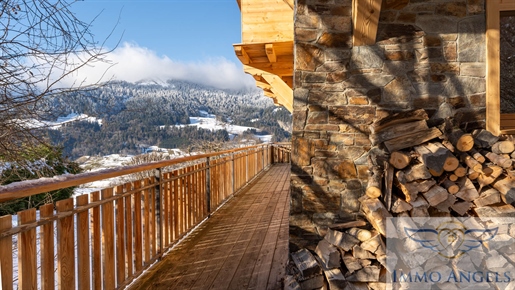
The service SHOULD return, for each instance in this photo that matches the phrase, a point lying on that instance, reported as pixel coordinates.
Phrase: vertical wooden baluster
(193, 196)
(96, 243)
(184, 212)
(128, 229)
(190, 198)
(27, 265)
(214, 182)
(176, 207)
(65, 246)
(83, 258)
(165, 192)
(197, 194)
(108, 240)
(6, 255)
(138, 243)
(153, 218)
(208, 185)
(46, 238)
(120, 237)
(146, 224)
(204, 189)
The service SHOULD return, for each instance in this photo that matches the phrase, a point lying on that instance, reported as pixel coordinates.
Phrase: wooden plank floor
(244, 245)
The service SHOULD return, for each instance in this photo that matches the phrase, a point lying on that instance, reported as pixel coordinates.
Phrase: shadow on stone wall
(427, 55)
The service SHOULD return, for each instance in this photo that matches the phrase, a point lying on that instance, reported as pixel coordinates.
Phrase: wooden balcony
(107, 239)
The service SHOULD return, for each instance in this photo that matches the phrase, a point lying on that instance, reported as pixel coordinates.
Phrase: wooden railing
(106, 239)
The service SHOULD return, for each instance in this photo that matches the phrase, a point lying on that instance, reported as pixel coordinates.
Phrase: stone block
(406, 17)
(473, 69)
(436, 23)
(299, 119)
(336, 39)
(395, 4)
(472, 32)
(445, 67)
(307, 21)
(308, 57)
(402, 55)
(314, 77)
(475, 6)
(432, 40)
(317, 118)
(358, 101)
(478, 100)
(302, 151)
(336, 77)
(336, 23)
(456, 9)
(364, 57)
(344, 169)
(351, 115)
(305, 35)
(398, 90)
(450, 52)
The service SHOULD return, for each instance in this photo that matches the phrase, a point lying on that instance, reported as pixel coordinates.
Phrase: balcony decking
(244, 245)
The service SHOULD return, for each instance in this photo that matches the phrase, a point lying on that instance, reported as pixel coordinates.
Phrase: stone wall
(428, 54)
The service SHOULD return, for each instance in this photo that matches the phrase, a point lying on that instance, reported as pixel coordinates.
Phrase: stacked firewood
(437, 172)
(416, 170)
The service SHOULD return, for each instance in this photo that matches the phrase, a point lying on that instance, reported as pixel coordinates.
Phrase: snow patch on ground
(213, 124)
(32, 123)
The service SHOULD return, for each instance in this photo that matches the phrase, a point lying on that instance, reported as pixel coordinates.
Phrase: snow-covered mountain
(122, 117)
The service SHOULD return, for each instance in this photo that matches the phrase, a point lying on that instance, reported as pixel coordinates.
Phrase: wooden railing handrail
(112, 235)
(31, 187)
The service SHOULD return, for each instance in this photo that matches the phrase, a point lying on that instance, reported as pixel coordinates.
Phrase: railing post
(208, 187)
(159, 209)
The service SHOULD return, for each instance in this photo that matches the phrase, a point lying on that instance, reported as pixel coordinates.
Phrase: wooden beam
(270, 52)
(242, 54)
(279, 68)
(281, 90)
(239, 3)
(365, 19)
(493, 65)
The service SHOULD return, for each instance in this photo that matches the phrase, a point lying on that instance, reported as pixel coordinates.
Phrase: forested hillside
(133, 115)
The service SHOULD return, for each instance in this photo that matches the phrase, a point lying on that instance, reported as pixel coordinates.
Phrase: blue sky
(175, 37)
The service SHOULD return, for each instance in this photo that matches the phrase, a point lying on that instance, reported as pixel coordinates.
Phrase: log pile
(446, 173)
(415, 170)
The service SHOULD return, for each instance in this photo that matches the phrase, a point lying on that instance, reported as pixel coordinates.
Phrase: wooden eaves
(266, 51)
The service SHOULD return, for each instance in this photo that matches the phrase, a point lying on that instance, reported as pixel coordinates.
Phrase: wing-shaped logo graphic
(451, 239)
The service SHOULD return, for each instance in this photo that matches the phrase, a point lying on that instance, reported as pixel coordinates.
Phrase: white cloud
(134, 63)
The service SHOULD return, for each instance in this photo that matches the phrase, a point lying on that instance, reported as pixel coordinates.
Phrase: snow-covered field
(211, 123)
(60, 121)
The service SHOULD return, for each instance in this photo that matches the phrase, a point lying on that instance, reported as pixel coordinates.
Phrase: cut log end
(399, 159)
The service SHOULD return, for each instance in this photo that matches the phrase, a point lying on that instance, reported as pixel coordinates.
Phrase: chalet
(355, 62)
